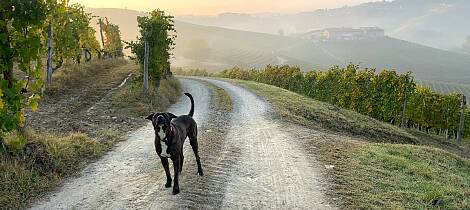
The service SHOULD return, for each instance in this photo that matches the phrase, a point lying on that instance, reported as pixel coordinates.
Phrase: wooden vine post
(463, 103)
(403, 112)
(101, 32)
(146, 67)
(49, 54)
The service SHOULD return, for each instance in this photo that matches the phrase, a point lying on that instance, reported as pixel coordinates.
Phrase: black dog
(170, 133)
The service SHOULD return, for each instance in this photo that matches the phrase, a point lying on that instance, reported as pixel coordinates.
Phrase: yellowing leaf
(21, 119)
(34, 105)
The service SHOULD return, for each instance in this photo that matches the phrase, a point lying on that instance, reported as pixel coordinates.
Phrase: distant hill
(437, 23)
(217, 48)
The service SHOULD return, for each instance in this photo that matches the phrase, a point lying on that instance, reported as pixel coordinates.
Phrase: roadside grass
(396, 176)
(387, 170)
(33, 163)
(130, 100)
(312, 113)
(223, 99)
(74, 76)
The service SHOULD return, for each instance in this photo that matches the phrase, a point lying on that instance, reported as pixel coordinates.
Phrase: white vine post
(146, 67)
(49, 55)
(462, 116)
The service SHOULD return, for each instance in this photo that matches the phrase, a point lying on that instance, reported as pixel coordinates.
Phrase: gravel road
(250, 160)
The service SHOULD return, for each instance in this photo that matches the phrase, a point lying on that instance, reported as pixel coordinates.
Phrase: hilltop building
(331, 34)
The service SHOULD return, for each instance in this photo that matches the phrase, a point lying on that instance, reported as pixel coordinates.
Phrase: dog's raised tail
(191, 112)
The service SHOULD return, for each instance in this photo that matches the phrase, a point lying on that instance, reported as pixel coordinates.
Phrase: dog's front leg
(167, 171)
(176, 166)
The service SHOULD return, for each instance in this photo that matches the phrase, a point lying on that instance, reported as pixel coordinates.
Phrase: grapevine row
(31, 31)
(383, 95)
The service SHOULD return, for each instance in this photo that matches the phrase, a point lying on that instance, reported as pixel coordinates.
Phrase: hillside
(217, 48)
(436, 23)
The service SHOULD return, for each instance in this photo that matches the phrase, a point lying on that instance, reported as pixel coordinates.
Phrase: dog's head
(161, 124)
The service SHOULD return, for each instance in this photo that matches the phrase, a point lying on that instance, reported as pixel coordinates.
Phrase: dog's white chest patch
(161, 134)
(164, 148)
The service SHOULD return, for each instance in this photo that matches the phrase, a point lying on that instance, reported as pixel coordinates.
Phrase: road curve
(251, 161)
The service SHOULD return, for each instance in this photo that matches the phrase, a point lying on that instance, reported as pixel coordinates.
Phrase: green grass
(26, 173)
(395, 176)
(309, 112)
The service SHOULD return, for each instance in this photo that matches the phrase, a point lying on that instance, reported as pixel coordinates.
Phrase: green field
(448, 88)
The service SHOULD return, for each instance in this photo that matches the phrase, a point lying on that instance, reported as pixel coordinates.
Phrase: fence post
(403, 112)
(146, 67)
(49, 54)
(460, 131)
(101, 32)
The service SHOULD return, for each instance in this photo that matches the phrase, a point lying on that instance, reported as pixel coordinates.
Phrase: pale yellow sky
(212, 7)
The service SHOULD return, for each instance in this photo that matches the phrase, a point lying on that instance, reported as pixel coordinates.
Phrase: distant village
(346, 34)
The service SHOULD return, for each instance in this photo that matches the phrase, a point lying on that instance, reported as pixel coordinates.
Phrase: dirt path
(250, 159)
(272, 171)
(131, 175)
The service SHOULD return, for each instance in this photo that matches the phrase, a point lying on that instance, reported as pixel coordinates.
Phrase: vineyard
(386, 95)
(32, 32)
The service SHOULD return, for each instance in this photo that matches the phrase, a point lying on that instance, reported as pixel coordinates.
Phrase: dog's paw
(168, 185)
(200, 173)
(176, 191)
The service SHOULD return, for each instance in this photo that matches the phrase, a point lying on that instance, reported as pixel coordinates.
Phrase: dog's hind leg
(167, 171)
(194, 145)
(181, 161)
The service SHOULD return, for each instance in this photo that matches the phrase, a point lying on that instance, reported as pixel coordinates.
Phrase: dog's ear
(171, 115)
(150, 117)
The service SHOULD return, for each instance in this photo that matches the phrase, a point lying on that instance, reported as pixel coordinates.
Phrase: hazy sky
(211, 7)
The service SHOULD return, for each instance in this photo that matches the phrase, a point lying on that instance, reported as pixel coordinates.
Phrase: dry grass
(34, 163)
(74, 76)
(223, 100)
(130, 100)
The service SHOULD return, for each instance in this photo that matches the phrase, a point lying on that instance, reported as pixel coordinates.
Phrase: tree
(21, 35)
(113, 43)
(158, 30)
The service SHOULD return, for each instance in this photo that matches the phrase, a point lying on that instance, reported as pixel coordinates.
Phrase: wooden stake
(101, 32)
(146, 67)
(463, 103)
(49, 54)
(403, 113)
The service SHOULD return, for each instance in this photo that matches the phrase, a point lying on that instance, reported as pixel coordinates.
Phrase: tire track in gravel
(273, 170)
(250, 160)
(131, 175)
